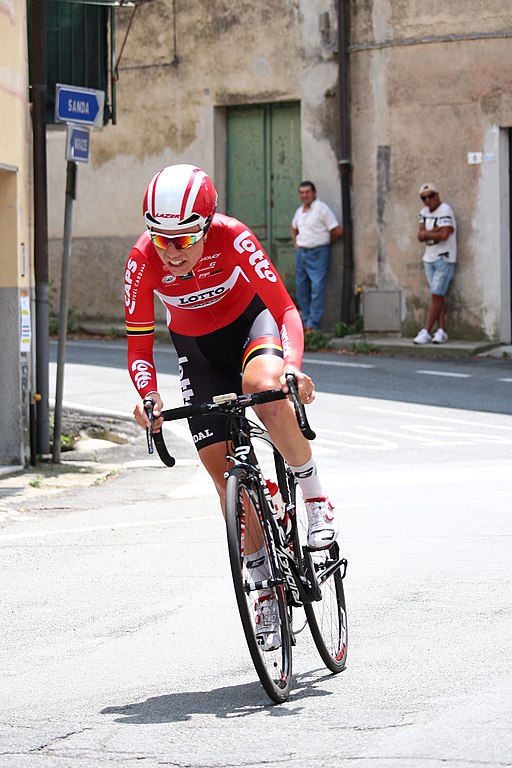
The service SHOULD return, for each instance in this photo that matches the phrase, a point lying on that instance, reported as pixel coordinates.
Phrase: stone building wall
(431, 84)
(172, 97)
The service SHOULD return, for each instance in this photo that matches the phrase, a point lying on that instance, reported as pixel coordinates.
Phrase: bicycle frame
(303, 586)
(297, 568)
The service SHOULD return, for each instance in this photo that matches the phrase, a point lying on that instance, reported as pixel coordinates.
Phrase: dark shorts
(213, 364)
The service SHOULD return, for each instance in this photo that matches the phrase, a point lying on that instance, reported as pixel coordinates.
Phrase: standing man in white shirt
(314, 227)
(438, 231)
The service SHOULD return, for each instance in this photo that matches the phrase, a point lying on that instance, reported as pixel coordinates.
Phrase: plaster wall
(16, 269)
(15, 145)
(171, 102)
(432, 85)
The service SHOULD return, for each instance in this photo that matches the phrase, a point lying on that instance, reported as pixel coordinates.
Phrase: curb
(400, 347)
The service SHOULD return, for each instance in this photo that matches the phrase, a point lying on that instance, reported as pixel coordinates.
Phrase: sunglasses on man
(428, 197)
(180, 242)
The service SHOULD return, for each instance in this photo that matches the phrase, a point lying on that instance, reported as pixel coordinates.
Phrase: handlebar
(229, 404)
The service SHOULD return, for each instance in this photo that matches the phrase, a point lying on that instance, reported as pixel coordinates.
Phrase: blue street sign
(78, 143)
(83, 106)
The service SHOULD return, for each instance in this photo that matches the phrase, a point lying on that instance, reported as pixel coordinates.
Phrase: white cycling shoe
(323, 527)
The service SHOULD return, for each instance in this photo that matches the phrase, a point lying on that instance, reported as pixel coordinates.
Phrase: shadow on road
(226, 702)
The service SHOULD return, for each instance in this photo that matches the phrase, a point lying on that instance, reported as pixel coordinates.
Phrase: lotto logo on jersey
(243, 243)
(200, 299)
(142, 373)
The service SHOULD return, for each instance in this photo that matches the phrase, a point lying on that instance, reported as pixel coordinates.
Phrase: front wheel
(248, 531)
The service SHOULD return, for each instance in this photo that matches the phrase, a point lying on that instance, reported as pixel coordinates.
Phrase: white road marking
(505, 380)
(447, 419)
(373, 443)
(336, 363)
(106, 527)
(446, 373)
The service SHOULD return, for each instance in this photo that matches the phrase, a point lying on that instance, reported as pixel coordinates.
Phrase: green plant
(349, 329)
(364, 348)
(67, 442)
(36, 482)
(73, 321)
(341, 329)
(315, 340)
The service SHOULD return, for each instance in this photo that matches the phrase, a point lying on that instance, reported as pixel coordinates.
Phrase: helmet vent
(191, 219)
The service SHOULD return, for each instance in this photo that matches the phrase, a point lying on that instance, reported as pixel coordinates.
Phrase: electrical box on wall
(381, 310)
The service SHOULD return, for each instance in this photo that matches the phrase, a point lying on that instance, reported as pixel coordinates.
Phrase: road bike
(302, 581)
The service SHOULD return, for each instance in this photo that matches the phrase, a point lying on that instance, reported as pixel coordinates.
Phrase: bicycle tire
(274, 668)
(327, 618)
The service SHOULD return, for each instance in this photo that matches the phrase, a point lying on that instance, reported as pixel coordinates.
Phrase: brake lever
(300, 410)
(148, 407)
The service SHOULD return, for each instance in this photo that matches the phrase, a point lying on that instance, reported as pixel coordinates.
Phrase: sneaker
(323, 528)
(423, 337)
(267, 623)
(440, 337)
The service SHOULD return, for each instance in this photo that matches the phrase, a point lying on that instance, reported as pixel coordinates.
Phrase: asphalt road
(479, 384)
(121, 643)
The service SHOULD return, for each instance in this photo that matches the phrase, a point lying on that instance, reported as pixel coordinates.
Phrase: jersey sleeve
(260, 272)
(140, 322)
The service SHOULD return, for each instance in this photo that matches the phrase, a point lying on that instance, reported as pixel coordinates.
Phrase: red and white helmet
(178, 197)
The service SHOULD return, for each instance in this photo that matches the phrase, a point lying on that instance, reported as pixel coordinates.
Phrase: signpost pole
(71, 171)
(81, 109)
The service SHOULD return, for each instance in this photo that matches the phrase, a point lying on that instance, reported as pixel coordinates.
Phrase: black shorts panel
(212, 365)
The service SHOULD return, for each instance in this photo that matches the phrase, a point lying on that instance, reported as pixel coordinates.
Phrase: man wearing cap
(438, 231)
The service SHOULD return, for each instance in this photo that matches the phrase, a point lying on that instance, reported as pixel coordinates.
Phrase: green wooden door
(264, 166)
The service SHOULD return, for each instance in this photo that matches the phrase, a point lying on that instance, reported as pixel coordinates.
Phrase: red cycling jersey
(231, 272)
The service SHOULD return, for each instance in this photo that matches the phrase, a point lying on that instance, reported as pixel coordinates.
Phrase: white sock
(308, 480)
(257, 565)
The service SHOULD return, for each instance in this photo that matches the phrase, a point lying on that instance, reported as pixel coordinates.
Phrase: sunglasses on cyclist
(180, 242)
(428, 197)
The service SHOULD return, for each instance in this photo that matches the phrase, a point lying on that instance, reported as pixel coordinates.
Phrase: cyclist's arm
(264, 278)
(140, 323)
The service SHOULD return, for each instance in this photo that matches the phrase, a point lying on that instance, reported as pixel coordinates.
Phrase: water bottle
(278, 505)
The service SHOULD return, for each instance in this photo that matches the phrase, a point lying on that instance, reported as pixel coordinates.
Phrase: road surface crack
(64, 736)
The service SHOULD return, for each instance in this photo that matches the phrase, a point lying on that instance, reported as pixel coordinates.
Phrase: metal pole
(38, 55)
(64, 303)
(345, 162)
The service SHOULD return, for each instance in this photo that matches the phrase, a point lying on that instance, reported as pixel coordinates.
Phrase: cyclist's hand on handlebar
(141, 416)
(305, 386)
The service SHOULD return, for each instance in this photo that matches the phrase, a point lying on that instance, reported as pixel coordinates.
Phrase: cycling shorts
(213, 364)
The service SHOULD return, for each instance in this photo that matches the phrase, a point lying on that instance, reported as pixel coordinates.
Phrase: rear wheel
(327, 618)
(247, 532)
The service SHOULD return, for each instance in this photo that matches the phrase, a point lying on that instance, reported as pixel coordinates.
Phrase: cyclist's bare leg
(213, 458)
(279, 418)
